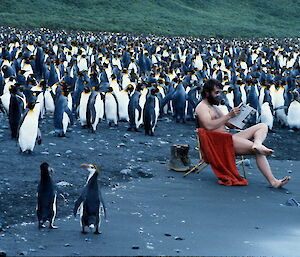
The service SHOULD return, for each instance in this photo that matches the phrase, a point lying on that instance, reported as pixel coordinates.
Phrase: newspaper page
(240, 120)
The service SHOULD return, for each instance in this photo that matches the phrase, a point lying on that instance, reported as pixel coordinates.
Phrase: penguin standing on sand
(111, 107)
(293, 116)
(62, 114)
(29, 128)
(123, 101)
(266, 115)
(83, 106)
(16, 108)
(134, 109)
(151, 112)
(95, 110)
(90, 201)
(46, 198)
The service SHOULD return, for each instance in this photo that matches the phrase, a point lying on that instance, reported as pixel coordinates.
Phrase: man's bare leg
(245, 147)
(264, 167)
(258, 133)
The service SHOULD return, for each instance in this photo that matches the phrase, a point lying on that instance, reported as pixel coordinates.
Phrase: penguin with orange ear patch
(90, 202)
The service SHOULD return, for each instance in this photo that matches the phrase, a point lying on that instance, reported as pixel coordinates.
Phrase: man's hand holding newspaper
(240, 115)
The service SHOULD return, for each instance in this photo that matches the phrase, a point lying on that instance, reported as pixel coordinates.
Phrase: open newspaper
(241, 120)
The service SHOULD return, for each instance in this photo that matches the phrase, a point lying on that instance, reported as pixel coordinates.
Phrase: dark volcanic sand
(112, 148)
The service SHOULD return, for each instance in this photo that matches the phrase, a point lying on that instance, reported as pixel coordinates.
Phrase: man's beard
(213, 100)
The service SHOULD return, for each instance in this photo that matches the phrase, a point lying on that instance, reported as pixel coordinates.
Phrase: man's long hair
(209, 86)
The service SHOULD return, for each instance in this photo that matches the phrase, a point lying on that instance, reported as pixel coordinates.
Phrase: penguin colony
(94, 77)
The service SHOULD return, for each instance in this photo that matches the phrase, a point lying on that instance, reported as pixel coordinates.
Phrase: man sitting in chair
(211, 118)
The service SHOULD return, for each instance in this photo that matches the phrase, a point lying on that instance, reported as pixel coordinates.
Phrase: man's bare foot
(261, 149)
(281, 182)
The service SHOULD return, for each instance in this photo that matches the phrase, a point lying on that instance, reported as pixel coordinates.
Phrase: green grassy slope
(228, 18)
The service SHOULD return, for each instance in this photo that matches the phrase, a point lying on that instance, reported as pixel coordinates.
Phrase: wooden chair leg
(194, 168)
(243, 166)
(198, 171)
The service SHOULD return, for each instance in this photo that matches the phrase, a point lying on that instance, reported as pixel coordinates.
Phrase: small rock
(45, 153)
(166, 234)
(52, 144)
(121, 145)
(289, 171)
(76, 253)
(2, 253)
(69, 151)
(64, 184)
(91, 148)
(67, 245)
(178, 238)
(100, 154)
(31, 250)
(42, 247)
(23, 253)
(57, 154)
(126, 172)
(135, 247)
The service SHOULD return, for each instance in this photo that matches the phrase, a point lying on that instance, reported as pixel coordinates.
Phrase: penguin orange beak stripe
(84, 165)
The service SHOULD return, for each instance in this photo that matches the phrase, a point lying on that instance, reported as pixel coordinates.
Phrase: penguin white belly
(123, 101)
(54, 209)
(83, 107)
(41, 109)
(111, 109)
(5, 99)
(266, 115)
(142, 104)
(70, 101)
(230, 98)
(244, 95)
(293, 117)
(156, 110)
(65, 122)
(28, 131)
(282, 117)
(98, 111)
(100, 107)
(125, 81)
(49, 102)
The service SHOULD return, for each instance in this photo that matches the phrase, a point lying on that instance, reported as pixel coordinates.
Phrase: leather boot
(185, 156)
(175, 162)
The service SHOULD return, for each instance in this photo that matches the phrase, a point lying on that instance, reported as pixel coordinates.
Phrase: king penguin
(90, 201)
(151, 112)
(83, 106)
(46, 198)
(62, 113)
(95, 111)
(293, 116)
(29, 128)
(111, 107)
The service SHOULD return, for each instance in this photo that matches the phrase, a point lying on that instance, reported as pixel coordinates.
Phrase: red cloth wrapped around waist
(217, 149)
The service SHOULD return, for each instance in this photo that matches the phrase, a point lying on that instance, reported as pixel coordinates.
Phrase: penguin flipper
(77, 204)
(69, 113)
(21, 122)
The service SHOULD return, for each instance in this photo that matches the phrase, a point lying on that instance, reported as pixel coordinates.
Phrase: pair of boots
(180, 160)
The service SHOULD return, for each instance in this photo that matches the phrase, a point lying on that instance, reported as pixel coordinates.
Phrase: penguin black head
(45, 168)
